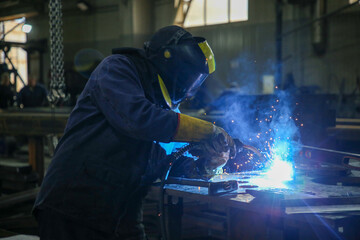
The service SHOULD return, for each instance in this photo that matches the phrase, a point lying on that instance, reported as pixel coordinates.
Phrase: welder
(92, 188)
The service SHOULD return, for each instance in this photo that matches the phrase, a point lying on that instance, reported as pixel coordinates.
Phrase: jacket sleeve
(118, 94)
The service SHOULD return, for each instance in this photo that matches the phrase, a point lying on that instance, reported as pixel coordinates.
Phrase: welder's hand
(216, 150)
(221, 142)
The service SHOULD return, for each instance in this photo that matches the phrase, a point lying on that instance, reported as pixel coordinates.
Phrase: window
(17, 55)
(196, 14)
(216, 12)
(238, 10)
(209, 12)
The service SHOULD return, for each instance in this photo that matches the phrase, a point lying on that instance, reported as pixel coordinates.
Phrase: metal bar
(213, 187)
(320, 18)
(36, 155)
(229, 10)
(205, 3)
(330, 201)
(13, 67)
(332, 151)
(189, 182)
(278, 36)
(173, 217)
(322, 209)
(13, 199)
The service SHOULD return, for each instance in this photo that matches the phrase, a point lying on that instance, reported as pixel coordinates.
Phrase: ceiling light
(83, 6)
(26, 28)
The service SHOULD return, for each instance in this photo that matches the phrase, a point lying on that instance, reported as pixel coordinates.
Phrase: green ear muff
(167, 54)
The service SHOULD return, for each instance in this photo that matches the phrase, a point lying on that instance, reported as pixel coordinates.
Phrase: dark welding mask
(183, 61)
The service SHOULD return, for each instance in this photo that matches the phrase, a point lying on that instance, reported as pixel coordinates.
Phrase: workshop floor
(17, 219)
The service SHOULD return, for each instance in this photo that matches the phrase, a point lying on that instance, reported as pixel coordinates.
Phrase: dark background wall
(245, 51)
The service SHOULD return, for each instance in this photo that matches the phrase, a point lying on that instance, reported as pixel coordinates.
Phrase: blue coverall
(110, 136)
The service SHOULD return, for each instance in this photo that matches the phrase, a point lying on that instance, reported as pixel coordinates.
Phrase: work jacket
(110, 137)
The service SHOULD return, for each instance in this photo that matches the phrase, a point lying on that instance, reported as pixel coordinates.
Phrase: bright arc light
(276, 176)
(26, 28)
(280, 171)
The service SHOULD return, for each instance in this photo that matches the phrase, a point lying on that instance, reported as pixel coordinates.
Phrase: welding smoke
(263, 121)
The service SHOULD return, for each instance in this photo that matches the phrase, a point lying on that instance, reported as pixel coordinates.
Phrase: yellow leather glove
(192, 129)
(217, 145)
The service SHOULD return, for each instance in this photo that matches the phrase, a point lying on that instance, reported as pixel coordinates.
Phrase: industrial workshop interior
(180, 119)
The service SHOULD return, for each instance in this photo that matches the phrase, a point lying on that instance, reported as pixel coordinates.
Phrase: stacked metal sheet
(16, 176)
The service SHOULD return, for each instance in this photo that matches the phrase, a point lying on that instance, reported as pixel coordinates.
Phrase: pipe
(320, 18)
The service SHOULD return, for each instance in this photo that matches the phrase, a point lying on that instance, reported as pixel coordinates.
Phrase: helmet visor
(209, 55)
(210, 62)
(196, 85)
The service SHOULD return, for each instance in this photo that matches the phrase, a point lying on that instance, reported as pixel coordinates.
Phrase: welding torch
(240, 146)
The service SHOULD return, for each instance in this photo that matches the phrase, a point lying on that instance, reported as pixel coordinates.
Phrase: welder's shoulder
(121, 66)
(119, 61)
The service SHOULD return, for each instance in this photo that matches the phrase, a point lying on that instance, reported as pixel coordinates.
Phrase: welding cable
(253, 149)
(171, 159)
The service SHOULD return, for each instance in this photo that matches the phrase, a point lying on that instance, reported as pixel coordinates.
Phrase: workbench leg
(247, 225)
(173, 217)
(36, 155)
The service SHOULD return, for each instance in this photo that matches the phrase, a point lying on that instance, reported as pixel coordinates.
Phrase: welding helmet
(182, 61)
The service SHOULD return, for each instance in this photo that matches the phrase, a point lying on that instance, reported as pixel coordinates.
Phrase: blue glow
(277, 175)
(280, 170)
(172, 146)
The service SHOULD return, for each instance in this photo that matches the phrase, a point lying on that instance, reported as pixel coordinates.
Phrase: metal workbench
(322, 202)
(34, 123)
(302, 210)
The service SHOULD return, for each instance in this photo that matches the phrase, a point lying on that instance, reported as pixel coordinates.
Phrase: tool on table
(214, 188)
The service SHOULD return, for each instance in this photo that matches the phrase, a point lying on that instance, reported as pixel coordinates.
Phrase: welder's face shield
(195, 61)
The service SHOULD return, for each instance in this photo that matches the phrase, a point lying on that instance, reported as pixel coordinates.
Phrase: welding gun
(240, 146)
